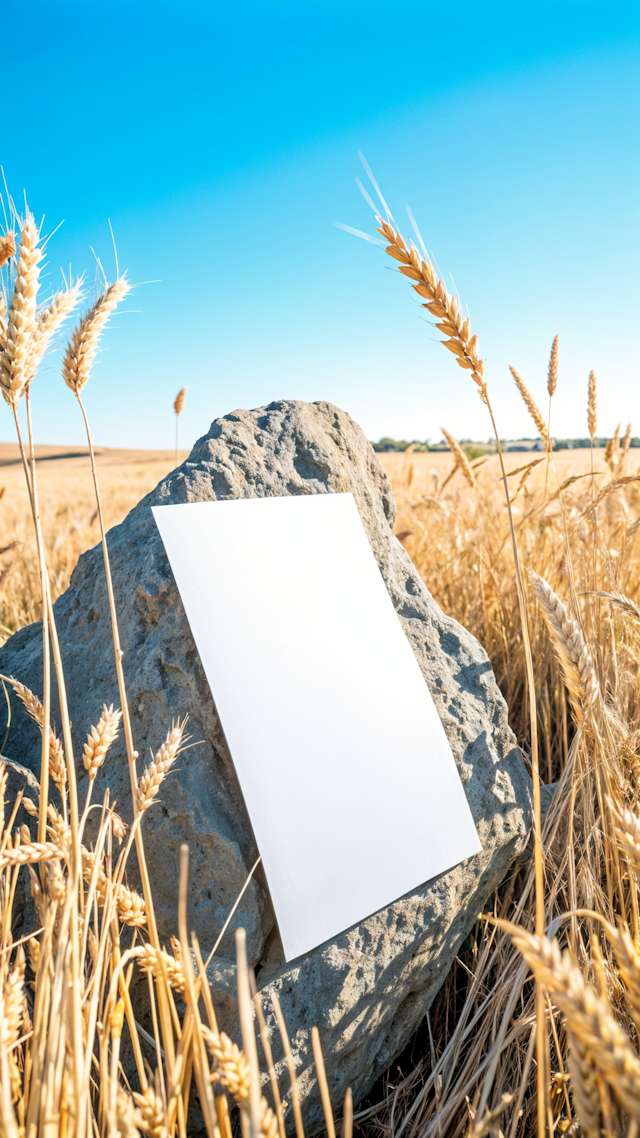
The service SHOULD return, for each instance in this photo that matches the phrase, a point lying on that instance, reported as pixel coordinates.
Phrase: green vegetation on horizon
(389, 444)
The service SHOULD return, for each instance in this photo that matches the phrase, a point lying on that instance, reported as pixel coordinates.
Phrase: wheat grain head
(180, 398)
(552, 376)
(589, 1016)
(439, 303)
(100, 739)
(571, 648)
(47, 324)
(35, 710)
(7, 247)
(530, 404)
(155, 774)
(83, 345)
(160, 964)
(21, 319)
(592, 405)
(151, 1108)
(461, 460)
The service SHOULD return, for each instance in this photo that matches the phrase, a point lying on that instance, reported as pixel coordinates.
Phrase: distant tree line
(388, 444)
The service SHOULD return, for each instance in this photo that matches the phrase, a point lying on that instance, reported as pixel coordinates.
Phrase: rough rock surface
(368, 989)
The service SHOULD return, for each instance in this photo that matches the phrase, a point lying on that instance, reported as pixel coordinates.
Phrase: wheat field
(535, 1030)
(69, 516)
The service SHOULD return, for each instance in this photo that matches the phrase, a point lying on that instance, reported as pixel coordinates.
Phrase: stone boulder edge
(368, 989)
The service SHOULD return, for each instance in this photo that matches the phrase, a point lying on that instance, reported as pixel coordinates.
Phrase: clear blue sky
(221, 139)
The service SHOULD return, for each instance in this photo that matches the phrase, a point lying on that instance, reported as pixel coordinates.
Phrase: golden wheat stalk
(160, 964)
(612, 449)
(617, 600)
(128, 1118)
(13, 1001)
(525, 471)
(611, 488)
(47, 324)
(592, 405)
(584, 1088)
(627, 957)
(155, 774)
(439, 303)
(233, 1072)
(571, 648)
(152, 1114)
(628, 834)
(130, 906)
(83, 345)
(59, 830)
(35, 710)
(179, 402)
(14, 357)
(177, 406)
(28, 853)
(7, 247)
(589, 1016)
(100, 739)
(461, 460)
(231, 1068)
(531, 405)
(552, 375)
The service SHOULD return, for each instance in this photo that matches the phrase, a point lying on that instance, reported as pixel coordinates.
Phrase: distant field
(67, 505)
(568, 462)
(68, 512)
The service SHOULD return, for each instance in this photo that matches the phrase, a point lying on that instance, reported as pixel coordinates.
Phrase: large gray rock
(367, 989)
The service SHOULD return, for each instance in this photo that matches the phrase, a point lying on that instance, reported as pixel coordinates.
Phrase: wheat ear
(7, 247)
(129, 904)
(617, 600)
(151, 1109)
(155, 774)
(571, 648)
(440, 304)
(592, 405)
(13, 1000)
(180, 398)
(177, 406)
(552, 375)
(611, 450)
(160, 964)
(47, 323)
(28, 853)
(628, 833)
(233, 1072)
(57, 765)
(530, 404)
(628, 961)
(461, 460)
(83, 345)
(589, 1016)
(21, 319)
(100, 739)
(611, 488)
(584, 1089)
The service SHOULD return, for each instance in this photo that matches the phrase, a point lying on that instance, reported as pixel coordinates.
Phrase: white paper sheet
(349, 781)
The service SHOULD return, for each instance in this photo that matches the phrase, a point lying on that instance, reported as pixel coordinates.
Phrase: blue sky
(221, 140)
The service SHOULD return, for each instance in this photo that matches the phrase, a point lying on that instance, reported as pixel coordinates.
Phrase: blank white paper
(346, 771)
